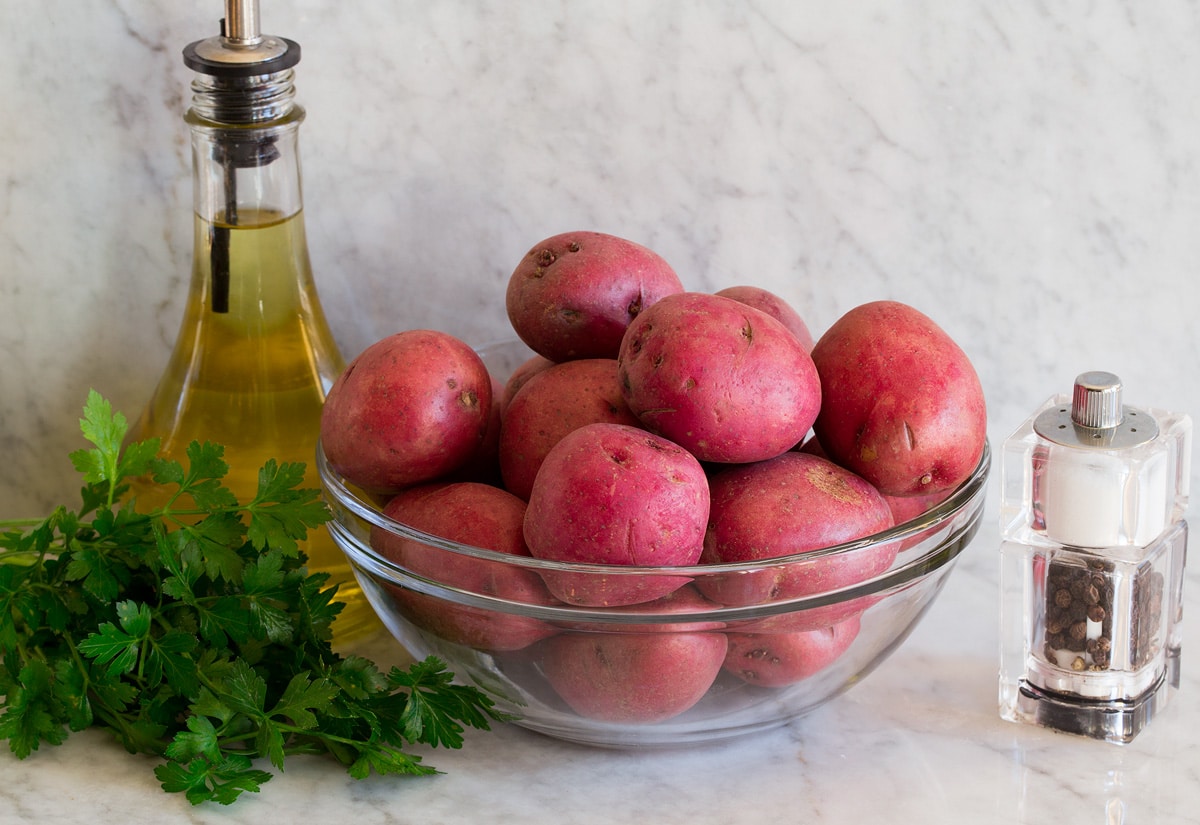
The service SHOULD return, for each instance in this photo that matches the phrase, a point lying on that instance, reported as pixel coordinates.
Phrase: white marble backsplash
(1026, 174)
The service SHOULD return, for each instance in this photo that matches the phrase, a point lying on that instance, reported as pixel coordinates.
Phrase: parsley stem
(19, 523)
(128, 735)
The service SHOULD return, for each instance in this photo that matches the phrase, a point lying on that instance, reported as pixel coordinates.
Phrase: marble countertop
(920, 740)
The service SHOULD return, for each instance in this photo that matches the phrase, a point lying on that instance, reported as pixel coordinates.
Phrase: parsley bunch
(194, 632)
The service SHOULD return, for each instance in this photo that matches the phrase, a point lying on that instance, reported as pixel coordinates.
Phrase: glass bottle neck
(242, 101)
(245, 158)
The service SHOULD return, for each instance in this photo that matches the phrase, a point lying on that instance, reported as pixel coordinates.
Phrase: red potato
(526, 370)
(477, 515)
(721, 379)
(773, 305)
(904, 508)
(573, 295)
(781, 659)
(686, 603)
(813, 447)
(411, 407)
(794, 504)
(556, 401)
(635, 678)
(907, 508)
(902, 405)
(484, 465)
(614, 495)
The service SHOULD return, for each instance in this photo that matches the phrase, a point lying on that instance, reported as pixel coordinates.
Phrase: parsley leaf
(194, 632)
(31, 711)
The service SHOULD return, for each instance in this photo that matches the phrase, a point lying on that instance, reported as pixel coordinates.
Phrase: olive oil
(257, 373)
(254, 378)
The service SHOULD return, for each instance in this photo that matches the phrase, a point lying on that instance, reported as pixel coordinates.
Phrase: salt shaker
(1092, 558)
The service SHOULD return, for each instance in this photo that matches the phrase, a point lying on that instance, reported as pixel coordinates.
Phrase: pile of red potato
(654, 427)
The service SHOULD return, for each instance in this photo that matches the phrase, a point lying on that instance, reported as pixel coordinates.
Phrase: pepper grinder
(1092, 559)
(254, 356)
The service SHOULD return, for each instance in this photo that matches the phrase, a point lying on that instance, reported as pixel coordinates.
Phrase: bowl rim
(341, 492)
(644, 613)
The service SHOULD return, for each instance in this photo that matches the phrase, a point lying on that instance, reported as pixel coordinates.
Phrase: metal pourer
(241, 49)
(1096, 418)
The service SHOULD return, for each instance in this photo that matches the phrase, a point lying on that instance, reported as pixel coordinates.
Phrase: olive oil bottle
(254, 356)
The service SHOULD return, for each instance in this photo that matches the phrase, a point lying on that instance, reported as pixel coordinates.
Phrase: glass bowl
(733, 648)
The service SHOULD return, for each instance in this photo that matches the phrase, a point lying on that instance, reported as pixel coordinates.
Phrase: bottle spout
(240, 25)
(241, 49)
